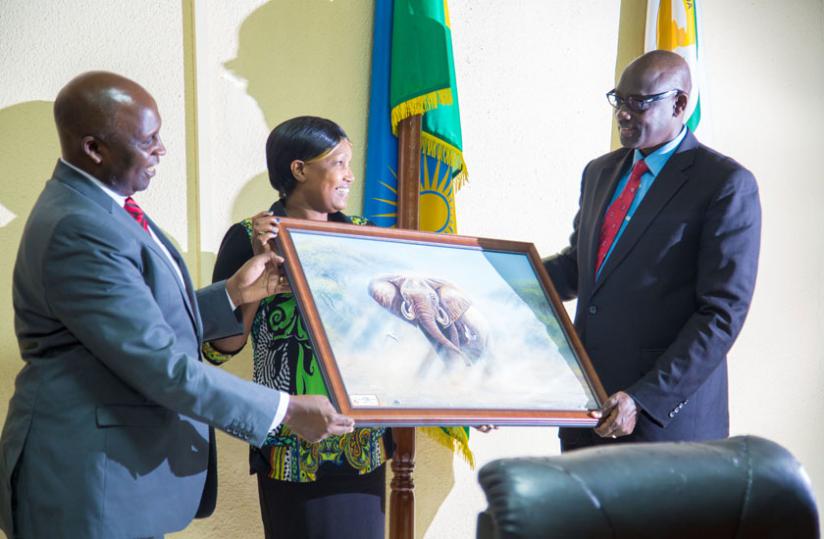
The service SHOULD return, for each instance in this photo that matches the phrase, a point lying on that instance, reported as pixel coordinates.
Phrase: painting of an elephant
(456, 329)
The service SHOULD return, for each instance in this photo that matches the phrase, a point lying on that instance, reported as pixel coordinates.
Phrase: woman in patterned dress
(334, 488)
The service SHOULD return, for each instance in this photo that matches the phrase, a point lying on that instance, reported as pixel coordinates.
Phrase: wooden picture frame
(414, 328)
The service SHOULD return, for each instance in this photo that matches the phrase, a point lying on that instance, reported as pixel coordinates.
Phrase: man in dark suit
(109, 432)
(663, 259)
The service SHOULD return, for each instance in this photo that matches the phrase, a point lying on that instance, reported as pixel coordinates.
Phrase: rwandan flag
(413, 73)
(672, 25)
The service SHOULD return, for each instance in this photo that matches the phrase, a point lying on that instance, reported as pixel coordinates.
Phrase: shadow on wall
(297, 68)
(28, 151)
(319, 69)
(316, 67)
(255, 196)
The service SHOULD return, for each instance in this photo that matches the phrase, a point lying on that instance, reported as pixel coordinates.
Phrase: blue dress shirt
(655, 162)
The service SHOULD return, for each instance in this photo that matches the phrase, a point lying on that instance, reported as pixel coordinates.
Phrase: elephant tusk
(441, 317)
(407, 310)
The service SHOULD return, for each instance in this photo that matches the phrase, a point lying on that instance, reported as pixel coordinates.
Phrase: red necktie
(134, 210)
(617, 211)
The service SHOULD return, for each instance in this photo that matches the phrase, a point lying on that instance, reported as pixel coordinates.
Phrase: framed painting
(414, 328)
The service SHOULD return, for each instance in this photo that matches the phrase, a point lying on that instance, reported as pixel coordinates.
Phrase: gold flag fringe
(430, 144)
(456, 441)
(446, 153)
(419, 105)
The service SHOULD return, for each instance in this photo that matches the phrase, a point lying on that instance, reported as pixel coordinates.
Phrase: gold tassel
(419, 105)
(430, 144)
(446, 153)
(456, 441)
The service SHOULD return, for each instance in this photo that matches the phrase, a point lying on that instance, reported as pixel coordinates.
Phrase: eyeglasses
(638, 103)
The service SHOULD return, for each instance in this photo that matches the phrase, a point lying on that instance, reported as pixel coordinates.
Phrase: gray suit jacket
(107, 433)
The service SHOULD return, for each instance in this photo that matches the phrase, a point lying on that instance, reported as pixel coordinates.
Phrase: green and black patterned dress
(284, 360)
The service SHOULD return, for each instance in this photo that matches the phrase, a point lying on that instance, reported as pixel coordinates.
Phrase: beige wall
(532, 76)
(767, 111)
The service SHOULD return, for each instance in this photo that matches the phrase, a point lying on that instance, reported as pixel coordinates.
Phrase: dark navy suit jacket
(674, 293)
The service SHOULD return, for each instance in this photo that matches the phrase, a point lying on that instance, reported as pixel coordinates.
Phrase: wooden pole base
(402, 497)
(402, 494)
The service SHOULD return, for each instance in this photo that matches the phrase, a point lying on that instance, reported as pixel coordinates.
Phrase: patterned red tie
(134, 210)
(617, 211)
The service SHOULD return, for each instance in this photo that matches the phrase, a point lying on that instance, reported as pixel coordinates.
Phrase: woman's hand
(264, 232)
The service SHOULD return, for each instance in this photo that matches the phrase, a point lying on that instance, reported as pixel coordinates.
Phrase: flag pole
(409, 171)
(402, 496)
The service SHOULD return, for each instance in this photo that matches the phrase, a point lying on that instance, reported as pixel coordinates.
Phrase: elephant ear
(453, 301)
(384, 290)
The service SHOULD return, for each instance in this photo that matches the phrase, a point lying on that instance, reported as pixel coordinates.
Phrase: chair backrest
(744, 487)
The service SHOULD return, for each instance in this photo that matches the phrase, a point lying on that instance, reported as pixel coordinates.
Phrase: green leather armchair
(743, 487)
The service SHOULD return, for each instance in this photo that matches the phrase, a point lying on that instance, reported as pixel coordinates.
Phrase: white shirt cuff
(228, 297)
(283, 404)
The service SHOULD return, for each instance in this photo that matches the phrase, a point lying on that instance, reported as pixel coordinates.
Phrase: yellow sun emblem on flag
(436, 203)
(437, 199)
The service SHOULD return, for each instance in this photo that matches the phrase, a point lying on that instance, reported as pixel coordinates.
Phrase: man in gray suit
(109, 432)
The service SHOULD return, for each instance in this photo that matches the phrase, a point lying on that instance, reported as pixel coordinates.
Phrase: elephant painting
(457, 330)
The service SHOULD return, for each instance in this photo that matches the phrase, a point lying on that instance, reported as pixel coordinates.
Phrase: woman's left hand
(264, 232)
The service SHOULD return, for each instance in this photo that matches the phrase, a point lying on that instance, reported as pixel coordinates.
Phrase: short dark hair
(303, 138)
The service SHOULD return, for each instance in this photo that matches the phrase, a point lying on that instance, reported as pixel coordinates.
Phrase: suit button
(672, 414)
(593, 309)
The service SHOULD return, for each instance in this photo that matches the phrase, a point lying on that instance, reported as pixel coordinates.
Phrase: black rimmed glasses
(638, 103)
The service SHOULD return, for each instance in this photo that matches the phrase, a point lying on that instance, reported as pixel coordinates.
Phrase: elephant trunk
(426, 320)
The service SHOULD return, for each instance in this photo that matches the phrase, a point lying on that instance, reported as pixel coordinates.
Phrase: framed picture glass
(414, 328)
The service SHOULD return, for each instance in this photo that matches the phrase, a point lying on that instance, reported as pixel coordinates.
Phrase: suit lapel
(607, 181)
(186, 288)
(124, 221)
(668, 182)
